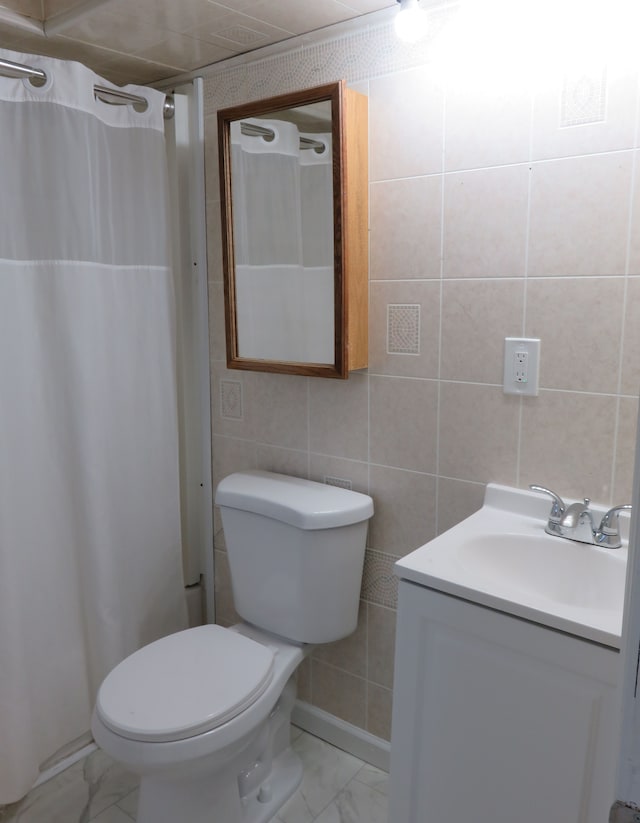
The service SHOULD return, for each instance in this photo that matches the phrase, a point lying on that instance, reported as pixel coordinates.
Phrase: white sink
(549, 567)
(501, 557)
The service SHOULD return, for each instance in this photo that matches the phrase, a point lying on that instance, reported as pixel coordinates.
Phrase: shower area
(103, 476)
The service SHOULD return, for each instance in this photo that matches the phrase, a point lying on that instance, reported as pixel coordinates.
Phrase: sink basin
(552, 568)
(502, 558)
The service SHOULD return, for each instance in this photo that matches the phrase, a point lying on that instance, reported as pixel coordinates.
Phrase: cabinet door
(497, 720)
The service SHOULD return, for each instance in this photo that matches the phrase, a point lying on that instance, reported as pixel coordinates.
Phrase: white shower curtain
(283, 243)
(90, 562)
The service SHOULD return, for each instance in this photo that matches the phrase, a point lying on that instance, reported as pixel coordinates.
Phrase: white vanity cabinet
(497, 719)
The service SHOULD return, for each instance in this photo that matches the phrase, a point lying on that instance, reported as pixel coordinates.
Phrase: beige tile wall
(488, 219)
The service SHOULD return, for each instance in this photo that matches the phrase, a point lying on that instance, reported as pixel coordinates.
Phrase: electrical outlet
(521, 365)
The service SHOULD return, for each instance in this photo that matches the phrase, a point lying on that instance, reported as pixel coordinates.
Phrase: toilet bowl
(203, 715)
(196, 755)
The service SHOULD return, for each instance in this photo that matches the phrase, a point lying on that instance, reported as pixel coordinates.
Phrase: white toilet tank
(296, 552)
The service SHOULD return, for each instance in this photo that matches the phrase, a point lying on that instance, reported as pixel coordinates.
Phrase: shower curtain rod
(104, 93)
(252, 130)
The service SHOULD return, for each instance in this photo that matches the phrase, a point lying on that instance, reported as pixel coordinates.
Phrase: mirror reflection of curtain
(283, 239)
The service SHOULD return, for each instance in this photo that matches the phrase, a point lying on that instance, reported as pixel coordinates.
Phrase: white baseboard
(343, 735)
(63, 764)
(339, 733)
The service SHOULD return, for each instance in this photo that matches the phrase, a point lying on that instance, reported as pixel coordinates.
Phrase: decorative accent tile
(403, 328)
(379, 584)
(584, 99)
(241, 34)
(224, 88)
(341, 482)
(231, 399)
(357, 56)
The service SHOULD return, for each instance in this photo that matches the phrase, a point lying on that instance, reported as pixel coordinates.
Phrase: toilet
(202, 716)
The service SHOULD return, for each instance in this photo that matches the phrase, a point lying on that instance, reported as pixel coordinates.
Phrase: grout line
(527, 246)
(623, 323)
(402, 469)
(530, 162)
(404, 376)
(503, 279)
(614, 451)
(308, 427)
(519, 441)
(366, 663)
(370, 299)
(346, 671)
(532, 120)
(441, 307)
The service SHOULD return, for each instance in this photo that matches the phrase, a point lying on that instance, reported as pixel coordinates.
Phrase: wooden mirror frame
(335, 93)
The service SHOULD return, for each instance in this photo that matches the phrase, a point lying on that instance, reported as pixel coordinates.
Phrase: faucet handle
(608, 533)
(557, 508)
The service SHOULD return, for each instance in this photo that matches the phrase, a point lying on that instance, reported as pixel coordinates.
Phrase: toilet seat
(184, 685)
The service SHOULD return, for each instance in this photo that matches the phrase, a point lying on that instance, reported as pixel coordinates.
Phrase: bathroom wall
(498, 207)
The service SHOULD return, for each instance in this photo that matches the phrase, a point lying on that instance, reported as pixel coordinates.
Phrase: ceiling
(142, 41)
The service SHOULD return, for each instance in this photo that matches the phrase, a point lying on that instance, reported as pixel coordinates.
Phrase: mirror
(285, 230)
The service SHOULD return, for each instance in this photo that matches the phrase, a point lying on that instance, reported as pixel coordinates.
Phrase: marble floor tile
(129, 803)
(63, 799)
(375, 778)
(336, 788)
(112, 815)
(356, 803)
(78, 794)
(108, 782)
(294, 733)
(327, 771)
(295, 810)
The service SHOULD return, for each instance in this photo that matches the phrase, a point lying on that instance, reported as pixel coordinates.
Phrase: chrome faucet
(575, 522)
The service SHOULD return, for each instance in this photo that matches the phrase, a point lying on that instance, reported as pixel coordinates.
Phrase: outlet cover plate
(514, 380)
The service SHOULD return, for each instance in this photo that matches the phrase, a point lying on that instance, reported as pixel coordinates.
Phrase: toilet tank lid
(304, 504)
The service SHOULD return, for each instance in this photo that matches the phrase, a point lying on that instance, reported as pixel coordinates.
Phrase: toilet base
(208, 799)
(276, 790)
(250, 787)
(240, 772)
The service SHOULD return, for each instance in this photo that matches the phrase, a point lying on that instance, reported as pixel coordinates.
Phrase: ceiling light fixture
(411, 21)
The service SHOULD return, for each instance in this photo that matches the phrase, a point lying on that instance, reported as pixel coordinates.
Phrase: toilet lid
(184, 684)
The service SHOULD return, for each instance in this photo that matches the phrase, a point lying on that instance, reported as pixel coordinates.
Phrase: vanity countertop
(501, 557)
